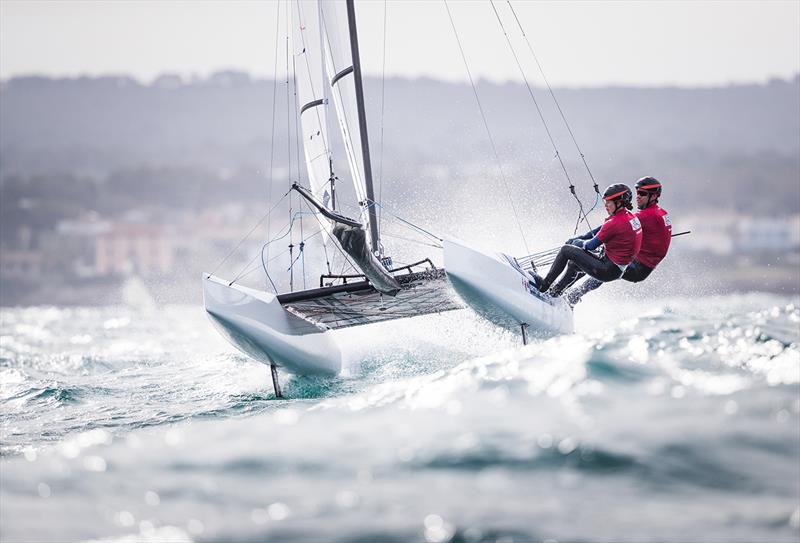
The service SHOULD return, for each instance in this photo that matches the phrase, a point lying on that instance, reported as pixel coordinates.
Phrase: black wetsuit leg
(635, 273)
(574, 295)
(601, 268)
(571, 276)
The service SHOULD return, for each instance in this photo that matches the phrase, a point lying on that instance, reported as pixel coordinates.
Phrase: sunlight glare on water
(665, 417)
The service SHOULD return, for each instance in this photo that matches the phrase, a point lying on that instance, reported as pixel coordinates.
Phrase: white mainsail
(332, 25)
(339, 67)
(311, 95)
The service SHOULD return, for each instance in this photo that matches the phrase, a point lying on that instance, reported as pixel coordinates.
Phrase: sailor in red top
(621, 234)
(657, 233)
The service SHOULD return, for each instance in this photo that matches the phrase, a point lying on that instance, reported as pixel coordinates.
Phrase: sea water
(670, 420)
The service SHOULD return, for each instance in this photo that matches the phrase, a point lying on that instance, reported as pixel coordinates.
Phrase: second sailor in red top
(621, 234)
(656, 235)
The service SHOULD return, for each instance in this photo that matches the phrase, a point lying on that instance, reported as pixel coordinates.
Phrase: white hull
(500, 293)
(255, 323)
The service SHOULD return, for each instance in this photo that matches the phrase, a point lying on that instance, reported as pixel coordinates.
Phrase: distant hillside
(102, 124)
(734, 147)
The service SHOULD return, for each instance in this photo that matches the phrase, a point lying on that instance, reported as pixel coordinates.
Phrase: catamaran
(297, 330)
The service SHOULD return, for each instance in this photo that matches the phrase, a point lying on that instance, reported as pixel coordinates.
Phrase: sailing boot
(573, 296)
(564, 283)
(554, 292)
(541, 283)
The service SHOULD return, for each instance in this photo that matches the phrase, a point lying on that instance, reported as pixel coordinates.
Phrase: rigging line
(288, 100)
(288, 227)
(336, 245)
(413, 240)
(287, 250)
(289, 142)
(266, 246)
(541, 116)
(241, 273)
(414, 231)
(292, 263)
(291, 244)
(267, 214)
(302, 245)
(578, 223)
(536, 260)
(272, 132)
(248, 272)
(345, 264)
(412, 225)
(266, 271)
(325, 250)
(558, 105)
(296, 117)
(486, 124)
(538, 255)
(383, 96)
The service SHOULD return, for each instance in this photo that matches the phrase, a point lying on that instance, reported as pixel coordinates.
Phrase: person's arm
(591, 233)
(592, 244)
(600, 237)
(587, 236)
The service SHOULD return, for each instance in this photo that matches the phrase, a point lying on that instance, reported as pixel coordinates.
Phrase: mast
(362, 124)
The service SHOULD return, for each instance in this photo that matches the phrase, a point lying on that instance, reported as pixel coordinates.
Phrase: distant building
(70, 250)
(90, 247)
(21, 264)
(21, 260)
(722, 233)
(141, 248)
(712, 233)
(759, 234)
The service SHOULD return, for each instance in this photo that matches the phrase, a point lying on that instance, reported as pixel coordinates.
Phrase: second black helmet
(649, 184)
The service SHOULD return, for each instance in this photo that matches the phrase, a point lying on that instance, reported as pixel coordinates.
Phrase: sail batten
(341, 74)
(314, 103)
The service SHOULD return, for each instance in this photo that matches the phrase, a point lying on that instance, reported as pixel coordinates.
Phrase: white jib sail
(312, 93)
(339, 67)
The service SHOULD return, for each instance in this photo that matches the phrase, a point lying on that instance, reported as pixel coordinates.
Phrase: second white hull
(501, 294)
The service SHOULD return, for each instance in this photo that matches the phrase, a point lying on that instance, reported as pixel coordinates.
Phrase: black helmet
(619, 193)
(649, 184)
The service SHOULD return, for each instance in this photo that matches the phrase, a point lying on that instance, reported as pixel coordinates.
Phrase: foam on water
(676, 422)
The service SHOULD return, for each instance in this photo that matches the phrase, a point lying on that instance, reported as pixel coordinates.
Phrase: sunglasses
(642, 193)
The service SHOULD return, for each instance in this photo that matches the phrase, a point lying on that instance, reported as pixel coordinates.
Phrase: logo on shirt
(667, 221)
(635, 224)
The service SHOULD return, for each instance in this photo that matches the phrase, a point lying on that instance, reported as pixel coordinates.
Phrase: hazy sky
(579, 43)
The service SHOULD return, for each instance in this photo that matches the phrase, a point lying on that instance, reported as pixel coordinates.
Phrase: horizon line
(184, 79)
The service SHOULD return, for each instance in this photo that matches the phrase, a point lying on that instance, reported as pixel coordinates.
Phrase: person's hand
(577, 242)
(570, 241)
